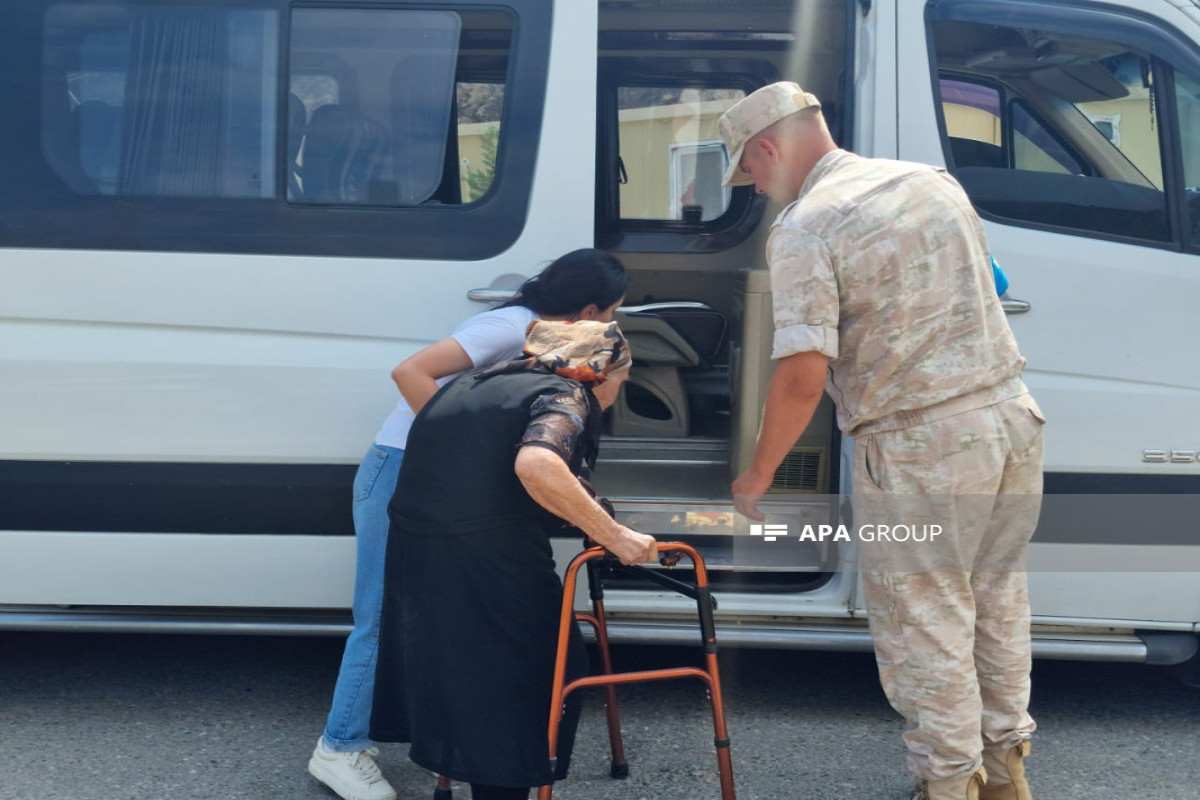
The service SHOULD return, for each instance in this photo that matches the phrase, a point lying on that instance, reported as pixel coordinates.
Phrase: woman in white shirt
(581, 285)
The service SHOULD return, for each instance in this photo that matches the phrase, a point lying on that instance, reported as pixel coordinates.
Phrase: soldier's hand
(633, 548)
(747, 490)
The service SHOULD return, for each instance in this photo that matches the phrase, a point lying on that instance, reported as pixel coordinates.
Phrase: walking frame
(592, 558)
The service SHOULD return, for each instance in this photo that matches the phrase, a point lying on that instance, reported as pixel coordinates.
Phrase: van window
(672, 154)
(384, 144)
(147, 100)
(976, 132)
(1054, 129)
(659, 156)
(227, 127)
(181, 102)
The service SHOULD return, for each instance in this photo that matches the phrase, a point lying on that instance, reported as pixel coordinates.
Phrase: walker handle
(666, 581)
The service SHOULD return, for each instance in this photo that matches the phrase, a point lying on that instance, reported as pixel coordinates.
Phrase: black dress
(471, 597)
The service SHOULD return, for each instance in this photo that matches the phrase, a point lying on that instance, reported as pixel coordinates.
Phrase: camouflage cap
(755, 113)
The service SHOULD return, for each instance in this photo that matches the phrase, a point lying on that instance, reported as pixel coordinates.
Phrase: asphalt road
(117, 717)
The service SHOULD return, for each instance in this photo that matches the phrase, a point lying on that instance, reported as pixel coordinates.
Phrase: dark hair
(574, 282)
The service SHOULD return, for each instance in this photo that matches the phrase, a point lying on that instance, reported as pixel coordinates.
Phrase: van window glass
(973, 123)
(385, 142)
(1074, 142)
(1127, 119)
(1035, 148)
(232, 126)
(162, 101)
(672, 154)
(972, 114)
(1187, 93)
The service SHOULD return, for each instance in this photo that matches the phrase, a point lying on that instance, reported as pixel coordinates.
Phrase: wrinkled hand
(747, 490)
(633, 548)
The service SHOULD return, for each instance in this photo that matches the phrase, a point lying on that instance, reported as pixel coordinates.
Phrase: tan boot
(964, 788)
(1006, 774)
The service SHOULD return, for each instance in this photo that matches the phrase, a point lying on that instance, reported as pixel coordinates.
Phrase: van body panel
(1057, 597)
(876, 101)
(176, 570)
(247, 362)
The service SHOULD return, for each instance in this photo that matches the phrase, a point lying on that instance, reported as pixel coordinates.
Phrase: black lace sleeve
(557, 422)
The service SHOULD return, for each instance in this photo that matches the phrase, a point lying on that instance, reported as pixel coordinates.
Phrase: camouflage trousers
(950, 615)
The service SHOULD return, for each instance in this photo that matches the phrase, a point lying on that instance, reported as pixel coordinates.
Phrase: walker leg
(566, 619)
(619, 767)
(721, 737)
(708, 633)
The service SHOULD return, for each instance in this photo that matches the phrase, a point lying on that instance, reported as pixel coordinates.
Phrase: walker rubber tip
(619, 771)
(443, 794)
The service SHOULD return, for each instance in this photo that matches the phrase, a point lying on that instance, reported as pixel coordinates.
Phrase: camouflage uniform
(884, 268)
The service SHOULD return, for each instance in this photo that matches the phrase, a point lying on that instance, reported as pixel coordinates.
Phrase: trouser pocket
(368, 472)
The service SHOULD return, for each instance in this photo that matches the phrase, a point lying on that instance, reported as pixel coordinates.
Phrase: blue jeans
(350, 715)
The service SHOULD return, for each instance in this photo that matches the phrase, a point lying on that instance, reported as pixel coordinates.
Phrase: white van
(222, 223)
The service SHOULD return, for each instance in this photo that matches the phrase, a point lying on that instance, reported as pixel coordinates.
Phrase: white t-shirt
(488, 338)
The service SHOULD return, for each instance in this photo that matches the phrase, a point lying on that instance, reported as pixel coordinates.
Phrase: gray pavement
(122, 717)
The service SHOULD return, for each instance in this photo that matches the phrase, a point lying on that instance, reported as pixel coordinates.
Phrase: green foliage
(479, 180)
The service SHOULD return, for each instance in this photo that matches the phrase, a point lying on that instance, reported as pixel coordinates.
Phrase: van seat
(344, 154)
(665, 339)
(973, 153)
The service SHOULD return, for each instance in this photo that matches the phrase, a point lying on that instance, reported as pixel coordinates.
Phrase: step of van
(737, 555)
(664, 468)
(663, 449)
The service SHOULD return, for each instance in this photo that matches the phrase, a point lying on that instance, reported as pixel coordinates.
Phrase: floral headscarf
(587, 352)
(584, 351)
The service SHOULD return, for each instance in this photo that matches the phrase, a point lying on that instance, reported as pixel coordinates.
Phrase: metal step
(727, 540)
(663, 450)
(842, 638)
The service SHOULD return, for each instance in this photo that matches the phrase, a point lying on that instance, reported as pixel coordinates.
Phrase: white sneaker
(353, 775)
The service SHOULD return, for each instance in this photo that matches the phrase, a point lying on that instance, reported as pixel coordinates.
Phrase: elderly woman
(471, 597)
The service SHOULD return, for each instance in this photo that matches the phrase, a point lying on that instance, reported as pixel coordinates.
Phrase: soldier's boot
(1006, 774)
(964, 788)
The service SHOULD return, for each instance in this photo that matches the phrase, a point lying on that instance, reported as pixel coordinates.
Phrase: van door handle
(491, 295)
(1014, 306)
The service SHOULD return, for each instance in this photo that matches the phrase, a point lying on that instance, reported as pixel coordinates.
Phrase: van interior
(698, 313)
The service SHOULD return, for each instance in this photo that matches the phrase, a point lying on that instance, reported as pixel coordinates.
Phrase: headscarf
(584, 351)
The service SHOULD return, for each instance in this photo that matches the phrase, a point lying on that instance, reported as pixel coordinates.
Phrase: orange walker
(670, 555)
(670, 552)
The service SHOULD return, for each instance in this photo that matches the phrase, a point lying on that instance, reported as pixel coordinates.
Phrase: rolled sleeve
(804, 293)
(804, 339)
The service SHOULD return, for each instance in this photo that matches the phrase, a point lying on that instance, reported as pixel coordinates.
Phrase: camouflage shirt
(883, 266)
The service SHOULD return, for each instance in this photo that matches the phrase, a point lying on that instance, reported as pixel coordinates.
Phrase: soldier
(881, 277)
